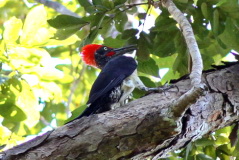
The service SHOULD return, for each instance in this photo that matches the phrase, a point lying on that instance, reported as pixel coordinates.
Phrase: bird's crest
(87, 53)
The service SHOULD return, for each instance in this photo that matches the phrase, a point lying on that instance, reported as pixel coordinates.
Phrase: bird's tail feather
(92, 109)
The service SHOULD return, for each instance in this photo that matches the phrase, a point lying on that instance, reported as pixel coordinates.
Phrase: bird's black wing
(113, 74)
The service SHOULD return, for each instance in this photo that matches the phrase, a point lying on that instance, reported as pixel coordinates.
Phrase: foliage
(42, 77)
(216, 146)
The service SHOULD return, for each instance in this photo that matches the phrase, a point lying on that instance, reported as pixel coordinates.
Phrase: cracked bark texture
(144, 128)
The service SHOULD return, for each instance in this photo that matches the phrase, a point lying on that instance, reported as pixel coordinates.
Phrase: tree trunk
(144, 128)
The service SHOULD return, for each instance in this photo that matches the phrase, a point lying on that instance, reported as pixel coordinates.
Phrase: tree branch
(188, 34)
(144, 128)
(57, 7)
(74, 86)
(181, 105)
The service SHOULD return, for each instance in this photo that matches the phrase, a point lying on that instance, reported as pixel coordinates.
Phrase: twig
(133, 5)
(73, 88)
(45, 122)
(71, 55)
(58, 7)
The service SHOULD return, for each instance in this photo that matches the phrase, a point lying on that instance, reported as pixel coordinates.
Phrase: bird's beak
(121, 51)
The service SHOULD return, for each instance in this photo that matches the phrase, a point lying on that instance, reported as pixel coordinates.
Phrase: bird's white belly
(127, 87)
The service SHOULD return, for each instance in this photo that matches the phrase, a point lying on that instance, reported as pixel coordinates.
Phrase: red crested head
(98, 55)
(88, 53)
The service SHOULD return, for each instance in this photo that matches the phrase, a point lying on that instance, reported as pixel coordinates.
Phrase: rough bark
(144, 128)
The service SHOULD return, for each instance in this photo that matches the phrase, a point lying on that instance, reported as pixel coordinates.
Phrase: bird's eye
(105, 48)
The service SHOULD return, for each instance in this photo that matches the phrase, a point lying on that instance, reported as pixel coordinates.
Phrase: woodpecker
(117, 79)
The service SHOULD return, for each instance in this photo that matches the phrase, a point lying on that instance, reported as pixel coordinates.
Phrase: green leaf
(204, 142)
(48, 91)
(210, 54)
(215, 26)
(129, 33)
(114, 42)
(119, 2)
(12, 30)
(97, 2)
(35, 20)
(195, 2)
(210, 151)
(142, 15)
(108, 4)
(87, 5)
(95, 20)
(76, 113)
(203, 43)
(230, 7)
(90, 38)
(230, 35)
(180, 44)
(47, 112)
(53, 111)
(66, 25)
(221, 2)
(221, 140)
(20, 102)
(143, 46)
(164, 23)
(23, 58)
(148, 67)
(181, 64)
(95, 23)
(28, 103)
(65, 21)
(164, 33)
(225, 149)
(11, 112)
(147, 82)
(120, 20)
(235, 152)
(8, 138)
(63, 34)
(203, 157)
(60, 113)
(204, 10)
(188, 149)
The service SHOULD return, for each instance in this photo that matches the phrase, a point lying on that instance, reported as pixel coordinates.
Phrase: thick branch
(190, 97)
(145, 128)
(188, 34)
